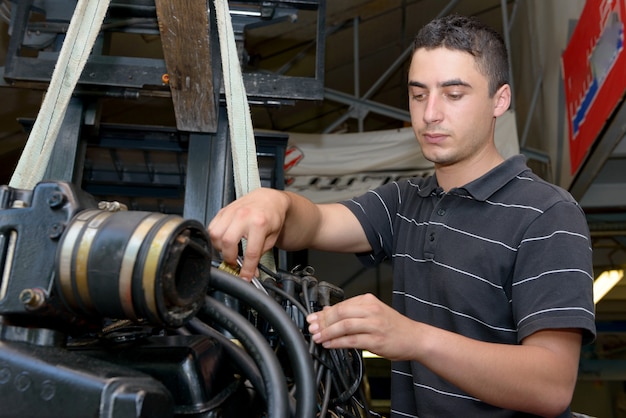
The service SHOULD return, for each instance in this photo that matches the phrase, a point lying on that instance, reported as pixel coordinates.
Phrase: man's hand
(540, 372)
(364, 322)
(258, 218)
(267, 217)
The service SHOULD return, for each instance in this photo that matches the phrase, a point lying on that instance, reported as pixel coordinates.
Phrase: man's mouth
(434, 137)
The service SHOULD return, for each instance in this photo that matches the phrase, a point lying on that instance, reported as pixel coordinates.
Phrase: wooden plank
(184, 27)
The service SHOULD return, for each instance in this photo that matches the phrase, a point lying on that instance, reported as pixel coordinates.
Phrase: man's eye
(419, 97)
(454, 96)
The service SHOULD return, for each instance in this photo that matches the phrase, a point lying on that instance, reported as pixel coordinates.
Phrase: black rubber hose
(256, 345)
(291, 336)
(242, 360)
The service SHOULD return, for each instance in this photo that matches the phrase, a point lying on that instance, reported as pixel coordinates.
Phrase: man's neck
(462, 173)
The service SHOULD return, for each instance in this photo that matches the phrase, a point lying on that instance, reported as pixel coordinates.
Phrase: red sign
(594, 73)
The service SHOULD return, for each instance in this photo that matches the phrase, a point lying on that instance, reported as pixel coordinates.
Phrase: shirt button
(432, 236)
(441, 212)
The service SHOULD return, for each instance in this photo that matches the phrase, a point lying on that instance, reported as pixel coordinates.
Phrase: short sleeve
(552, 285)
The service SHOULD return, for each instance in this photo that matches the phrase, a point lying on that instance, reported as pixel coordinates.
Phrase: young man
(492, 266)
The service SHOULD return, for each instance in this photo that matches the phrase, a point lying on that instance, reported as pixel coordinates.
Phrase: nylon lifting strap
(79, 41)
(245, 165)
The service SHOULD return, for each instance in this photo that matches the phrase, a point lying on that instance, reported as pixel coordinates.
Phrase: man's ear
(502, 100)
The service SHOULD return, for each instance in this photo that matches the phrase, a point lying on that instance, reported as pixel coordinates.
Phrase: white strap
(240, 123)
(79, 41)
(245, 166)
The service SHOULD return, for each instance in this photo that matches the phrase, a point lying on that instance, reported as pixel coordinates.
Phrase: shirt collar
(486, 185)
(497, 178)
(429, 187)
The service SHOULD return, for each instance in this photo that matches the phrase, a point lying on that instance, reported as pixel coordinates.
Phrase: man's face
(451, 111)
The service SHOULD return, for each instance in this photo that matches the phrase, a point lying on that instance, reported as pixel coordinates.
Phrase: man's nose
(433, 112)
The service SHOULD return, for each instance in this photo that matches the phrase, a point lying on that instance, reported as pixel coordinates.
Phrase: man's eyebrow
(455, 82)
(417, 84)
(448, 83)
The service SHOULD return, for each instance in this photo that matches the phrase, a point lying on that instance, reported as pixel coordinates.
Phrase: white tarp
(333, 167)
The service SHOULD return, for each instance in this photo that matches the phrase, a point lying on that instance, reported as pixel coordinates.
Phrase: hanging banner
(332, 167)
(594, 73)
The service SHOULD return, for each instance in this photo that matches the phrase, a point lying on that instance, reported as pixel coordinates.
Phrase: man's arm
(537, 376)
(269, 217)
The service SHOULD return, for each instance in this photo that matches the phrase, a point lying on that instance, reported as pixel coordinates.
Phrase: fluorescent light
(605, 282)
(245, 13)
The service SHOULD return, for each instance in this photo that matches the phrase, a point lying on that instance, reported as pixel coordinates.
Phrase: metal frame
(361, 106)
(206, 175)
(145, 74)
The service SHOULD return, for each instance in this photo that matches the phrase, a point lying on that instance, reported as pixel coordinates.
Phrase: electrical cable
(281, 292)
(326, 398)
(305, 296)
(349, 389)
(269, 272)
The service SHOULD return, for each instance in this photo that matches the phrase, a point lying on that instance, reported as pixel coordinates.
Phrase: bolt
(5, 375)
(22, 382)
(56, 199)
(55, 231)
(48, 390)
(32, 298)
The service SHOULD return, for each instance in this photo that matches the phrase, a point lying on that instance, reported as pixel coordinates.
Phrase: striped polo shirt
(503, 257)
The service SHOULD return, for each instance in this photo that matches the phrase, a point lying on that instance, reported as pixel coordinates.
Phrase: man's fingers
(217, 229)
(225, 237)
(257, 242)
(343, 319)
(249, 267)
(229, 243)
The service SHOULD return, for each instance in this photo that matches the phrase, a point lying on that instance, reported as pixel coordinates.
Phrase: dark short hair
(474, 37)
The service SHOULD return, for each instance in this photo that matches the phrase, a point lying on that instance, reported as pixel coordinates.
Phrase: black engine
(106, 312)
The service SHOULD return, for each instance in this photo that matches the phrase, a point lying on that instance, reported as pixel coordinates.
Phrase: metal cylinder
(134, 265)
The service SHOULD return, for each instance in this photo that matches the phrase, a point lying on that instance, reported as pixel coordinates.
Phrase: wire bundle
(276, 353)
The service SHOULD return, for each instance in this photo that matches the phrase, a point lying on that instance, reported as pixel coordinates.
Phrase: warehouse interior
(316, 71)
